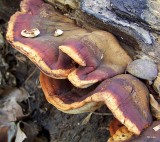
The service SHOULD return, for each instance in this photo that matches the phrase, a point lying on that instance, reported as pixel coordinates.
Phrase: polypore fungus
(121, 135)
(114, 126)
(95, 55)
(93, 51)
(124, 95)
(43, 50)
(85, 58)
(118, 132)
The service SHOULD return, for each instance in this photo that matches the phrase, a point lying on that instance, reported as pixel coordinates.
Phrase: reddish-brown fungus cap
(124, 95)
(128, 99)
(93, 51)
(99, 55)
(43, 49)
(67, 98)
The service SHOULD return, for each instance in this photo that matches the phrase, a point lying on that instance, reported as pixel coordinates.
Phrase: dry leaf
(155, 107)
(9, 103)
(156, 84)
(20, 136)
(7, 132)
(86, 119)
(156, 128)
(12, 131)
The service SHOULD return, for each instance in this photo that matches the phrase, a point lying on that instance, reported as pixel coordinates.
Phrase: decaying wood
(135, 24)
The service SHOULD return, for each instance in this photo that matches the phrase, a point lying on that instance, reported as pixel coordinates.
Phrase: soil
(53, 126)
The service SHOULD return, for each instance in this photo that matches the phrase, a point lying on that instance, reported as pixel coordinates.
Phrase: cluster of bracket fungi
(81, 70)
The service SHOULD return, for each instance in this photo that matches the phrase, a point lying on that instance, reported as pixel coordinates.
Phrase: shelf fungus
(57, 56)
(122, 134)
(43, 50)
(123, 94)
(94, 53)
(80, 70)
(119, 132)
(114, 125)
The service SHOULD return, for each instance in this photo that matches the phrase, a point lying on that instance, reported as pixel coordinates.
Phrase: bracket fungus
(44, 50)
(94, 54)
(122, 134)
(123, 94)
(81, 70)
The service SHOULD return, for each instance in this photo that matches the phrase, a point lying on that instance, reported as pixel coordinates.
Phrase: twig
(97, 113)
(31, 74)
(87, 118)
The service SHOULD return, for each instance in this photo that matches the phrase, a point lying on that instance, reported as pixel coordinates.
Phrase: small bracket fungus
(88, 52)
(122, 134)
(58, 32)
(114, 126)
(30, 33)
